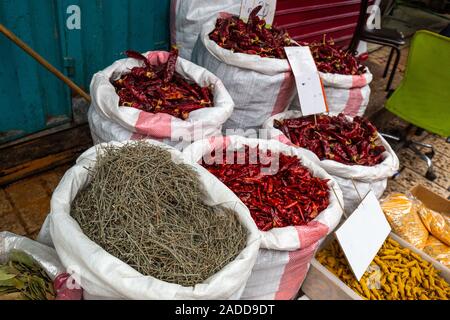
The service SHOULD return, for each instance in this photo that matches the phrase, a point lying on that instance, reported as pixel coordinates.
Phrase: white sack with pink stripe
(285, 253)
(109, 121)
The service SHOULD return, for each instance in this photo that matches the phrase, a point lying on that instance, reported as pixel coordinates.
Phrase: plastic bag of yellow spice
(438, 250)
(402, 213)
(437, 224)
(396, 273)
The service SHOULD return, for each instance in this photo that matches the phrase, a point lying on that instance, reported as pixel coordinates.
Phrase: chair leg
(430, 175)
(394, 68)
(386, 69)
(429, 154)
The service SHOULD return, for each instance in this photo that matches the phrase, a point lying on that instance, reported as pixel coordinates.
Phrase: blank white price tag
(309, 87)
(267, 11)
(363, 234)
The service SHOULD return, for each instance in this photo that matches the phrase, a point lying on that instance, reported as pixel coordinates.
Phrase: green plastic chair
(423, 97)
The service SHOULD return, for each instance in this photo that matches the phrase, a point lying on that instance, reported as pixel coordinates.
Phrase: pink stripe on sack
(158, 57)
(224, 15)
(355, 97)
(295, 270)
(283, 96)
(310, 233)
(283, 139)
(157, 125)
(173, 25)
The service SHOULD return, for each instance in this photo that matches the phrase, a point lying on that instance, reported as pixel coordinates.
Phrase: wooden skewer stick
(43, 62)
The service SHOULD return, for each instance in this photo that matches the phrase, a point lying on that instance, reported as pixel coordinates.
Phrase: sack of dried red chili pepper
(349, 149)
(290, 198)
(260, 86)
(160, 96)
(345, 80)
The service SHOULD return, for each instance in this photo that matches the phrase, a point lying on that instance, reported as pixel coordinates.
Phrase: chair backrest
(428, 66)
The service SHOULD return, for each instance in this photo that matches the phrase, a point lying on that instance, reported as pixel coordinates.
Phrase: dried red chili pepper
(252, 37)
(159, 88)
(331, 59)
(290, 196)
(335, 138)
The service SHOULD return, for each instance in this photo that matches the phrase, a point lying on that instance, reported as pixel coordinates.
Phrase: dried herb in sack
(335, 138)
(252, 37)
(23, 279)
(278, 190)
(150, 212)
(160, 89)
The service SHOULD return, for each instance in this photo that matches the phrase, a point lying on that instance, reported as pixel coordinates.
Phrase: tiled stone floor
(25, 203)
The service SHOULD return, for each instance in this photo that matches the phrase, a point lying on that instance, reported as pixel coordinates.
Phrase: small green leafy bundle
(21, 278)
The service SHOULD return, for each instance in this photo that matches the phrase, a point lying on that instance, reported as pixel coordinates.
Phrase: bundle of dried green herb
(23, 279)
(150, 212)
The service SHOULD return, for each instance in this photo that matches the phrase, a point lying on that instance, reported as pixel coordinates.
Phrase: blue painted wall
(32, 99)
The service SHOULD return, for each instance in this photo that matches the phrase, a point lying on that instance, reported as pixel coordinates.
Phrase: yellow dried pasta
(407, 277)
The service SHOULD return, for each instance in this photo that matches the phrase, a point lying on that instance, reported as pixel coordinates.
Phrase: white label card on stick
(267, 11)
(307, 80)
(363, 233)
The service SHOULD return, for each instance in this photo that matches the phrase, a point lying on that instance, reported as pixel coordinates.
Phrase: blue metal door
(32, 99)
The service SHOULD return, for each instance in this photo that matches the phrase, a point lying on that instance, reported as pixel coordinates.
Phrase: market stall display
(262, 178)
(257, 76)
(396, 274)
(157, 95)
(151, 225)
(346, 81)
(349, 149)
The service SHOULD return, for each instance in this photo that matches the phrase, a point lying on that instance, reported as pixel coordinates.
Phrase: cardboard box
(431, 200)
(321, 284)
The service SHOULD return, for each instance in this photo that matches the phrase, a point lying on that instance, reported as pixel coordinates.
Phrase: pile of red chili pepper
(158, 88)
(289, 196)
(335, 138)
(331, 59)
(252, 37)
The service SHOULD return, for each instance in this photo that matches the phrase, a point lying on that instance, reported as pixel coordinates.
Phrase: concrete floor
(25, 204)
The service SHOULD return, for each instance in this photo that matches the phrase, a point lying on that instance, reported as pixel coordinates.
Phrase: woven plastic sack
(46, 257)
(104, 276)
(438, 250)
(285, 253)
(121, 123)
(188, 17)
(355, 180)
(436, 223)
(260, 87)
(347, 94)
(402, 213)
